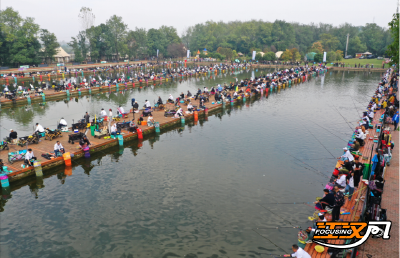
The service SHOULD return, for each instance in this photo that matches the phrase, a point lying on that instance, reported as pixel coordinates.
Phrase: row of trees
(113, 40)
(22, 41)
(263, 36)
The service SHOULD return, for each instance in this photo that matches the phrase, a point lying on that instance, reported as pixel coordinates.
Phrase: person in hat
(355, 146)
(86, 117)
(13, 136)
(346, 155)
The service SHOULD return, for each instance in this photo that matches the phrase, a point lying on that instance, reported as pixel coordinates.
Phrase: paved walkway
(377, 247)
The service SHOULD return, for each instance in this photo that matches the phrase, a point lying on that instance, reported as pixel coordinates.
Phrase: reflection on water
(203, 190)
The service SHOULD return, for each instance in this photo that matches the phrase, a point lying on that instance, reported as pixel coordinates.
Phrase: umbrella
(237, 61)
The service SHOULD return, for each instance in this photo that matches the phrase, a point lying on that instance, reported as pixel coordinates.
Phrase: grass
(377, 63)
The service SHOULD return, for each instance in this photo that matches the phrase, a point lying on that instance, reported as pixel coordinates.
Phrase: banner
(157, 52)
(324, 60)
(188, 53)
(254, 55)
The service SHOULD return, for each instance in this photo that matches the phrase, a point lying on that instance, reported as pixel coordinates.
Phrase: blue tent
(310, 56)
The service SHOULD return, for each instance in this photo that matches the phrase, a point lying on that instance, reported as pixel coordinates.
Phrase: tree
(226, 52)
(318, 57)
(295, 54)
(317, 47)
(49, 44)
(269, 56)
(156, 40)
(330, 56)
(259, 57)
(282, 34)
(355, 46)
(176, 50)
(287, 55)
(117, 33)
(329, 42)
(86, 18)
(76, 48)
(339, 55)
(393, 49)
(372, 35)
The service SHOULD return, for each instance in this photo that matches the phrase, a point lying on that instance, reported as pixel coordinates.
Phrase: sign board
(24, 66)
(126, 61)
(324, 60)
(254, 55)
(60, 64)
(103, 62)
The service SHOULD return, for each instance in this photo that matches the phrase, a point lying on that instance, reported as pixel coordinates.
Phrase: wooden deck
(355, 206)
(46, 146)
(52, 94)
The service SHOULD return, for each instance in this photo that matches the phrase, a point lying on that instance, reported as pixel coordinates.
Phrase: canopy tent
(310, 56)
(278, 54)
(240, 54)
(61, 56)
(262, 53)
(367, 53)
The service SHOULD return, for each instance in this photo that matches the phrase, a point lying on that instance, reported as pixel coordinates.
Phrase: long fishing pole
(269, 240)
(316, 170)
(347, 122)
(319, 141)
(329, 131)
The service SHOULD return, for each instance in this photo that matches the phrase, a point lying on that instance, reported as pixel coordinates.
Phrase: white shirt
(348, 155)
(113, 128)
(351, 182)
(39, 128)
(149, 118)
(29, 156)
(63, 122)
(342, 181)
(300, 253)
(103, 113)
(58, 147)
(110, 115)
(121, 110)
(147, 104)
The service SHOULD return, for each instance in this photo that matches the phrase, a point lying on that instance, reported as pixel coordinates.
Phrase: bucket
(196, 115)
(157, 127)
(90, 91)
(182, 120)
(4, 180)
(28, 98)
(140, 133)
(38, 168)
(120, 140)
(67, 158)
(206, 111)
(76, 131)
(144, 122)
(43, 97)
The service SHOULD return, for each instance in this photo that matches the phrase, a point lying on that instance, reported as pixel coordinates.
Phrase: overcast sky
(61, 17)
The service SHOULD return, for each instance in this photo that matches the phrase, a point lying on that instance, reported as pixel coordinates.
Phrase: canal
(221, 188)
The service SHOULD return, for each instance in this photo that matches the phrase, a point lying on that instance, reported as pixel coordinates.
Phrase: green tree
(331, 56)
(259, 57)
(295, 54)
(339, 55)
(269, 56)
(329, 42)
(318, 57)
(117, 32)
(356, 46)
(49, 44)
(393, 49)
(372, 35)
(317, 47)
(156, 40)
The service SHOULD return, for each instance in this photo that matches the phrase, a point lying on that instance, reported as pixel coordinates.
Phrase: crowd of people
(346, 179)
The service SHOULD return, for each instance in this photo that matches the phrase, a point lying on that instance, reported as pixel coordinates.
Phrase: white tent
(367, 53)
(62, 56)
(278, 54)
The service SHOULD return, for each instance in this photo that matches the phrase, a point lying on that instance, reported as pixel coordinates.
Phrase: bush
(318, 57)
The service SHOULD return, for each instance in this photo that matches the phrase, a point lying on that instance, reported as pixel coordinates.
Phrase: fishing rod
(329, 131)
(316, 170)
(319, 141)
(269, 240)
(347, 122)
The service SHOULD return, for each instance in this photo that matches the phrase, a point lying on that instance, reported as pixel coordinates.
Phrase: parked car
(362, 57)
(348, 57)
(379, 58)
(371, 57)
